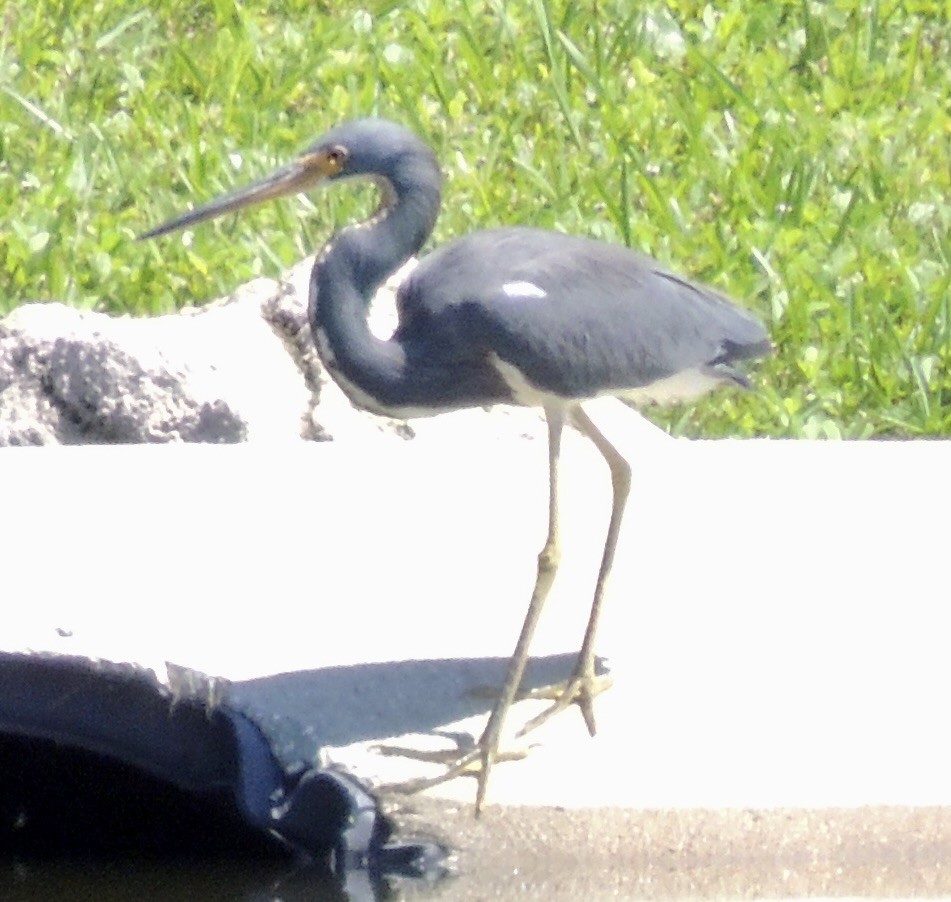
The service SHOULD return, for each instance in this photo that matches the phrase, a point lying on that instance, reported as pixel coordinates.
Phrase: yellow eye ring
(335, 159)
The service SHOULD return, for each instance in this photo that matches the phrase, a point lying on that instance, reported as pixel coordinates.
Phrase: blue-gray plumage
(509, 315)
(581, 318)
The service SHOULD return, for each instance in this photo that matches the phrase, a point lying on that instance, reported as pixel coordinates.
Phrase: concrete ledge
(777, 625)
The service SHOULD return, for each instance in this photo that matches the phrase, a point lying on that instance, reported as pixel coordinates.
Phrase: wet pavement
(616, 853)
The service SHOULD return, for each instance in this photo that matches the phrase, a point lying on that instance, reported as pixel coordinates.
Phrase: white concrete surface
(777, 626)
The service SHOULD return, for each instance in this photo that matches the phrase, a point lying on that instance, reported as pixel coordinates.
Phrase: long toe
(579, 690)
(461, 765)
(468, 759)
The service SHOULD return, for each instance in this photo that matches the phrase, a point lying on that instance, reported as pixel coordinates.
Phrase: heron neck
(375, 249)
(347, 275)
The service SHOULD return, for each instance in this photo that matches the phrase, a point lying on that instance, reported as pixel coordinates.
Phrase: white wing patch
(523, 290)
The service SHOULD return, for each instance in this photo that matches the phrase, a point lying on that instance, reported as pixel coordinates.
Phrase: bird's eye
(336, 158)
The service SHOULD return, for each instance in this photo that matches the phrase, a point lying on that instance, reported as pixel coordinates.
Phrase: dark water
(144, 880)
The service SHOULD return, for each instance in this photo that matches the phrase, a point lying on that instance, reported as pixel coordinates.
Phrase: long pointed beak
(290, 179)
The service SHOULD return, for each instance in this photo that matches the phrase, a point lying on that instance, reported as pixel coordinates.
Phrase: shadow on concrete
(343, 705)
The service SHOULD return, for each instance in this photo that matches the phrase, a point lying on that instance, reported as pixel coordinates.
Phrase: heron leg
(479, 760)
(583, 685)
(548, 561)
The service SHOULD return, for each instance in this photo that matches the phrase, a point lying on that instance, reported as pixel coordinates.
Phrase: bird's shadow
(337, 706)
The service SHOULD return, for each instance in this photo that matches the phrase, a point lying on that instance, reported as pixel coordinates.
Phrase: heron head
(361, 147)
(368, 147)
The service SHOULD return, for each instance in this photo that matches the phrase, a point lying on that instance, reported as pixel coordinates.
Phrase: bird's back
(575, 317)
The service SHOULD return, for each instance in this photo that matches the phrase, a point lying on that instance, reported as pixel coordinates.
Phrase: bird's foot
(579, 689)
(468, 759)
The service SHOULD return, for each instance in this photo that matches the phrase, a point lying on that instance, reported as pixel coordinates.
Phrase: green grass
(794, 154)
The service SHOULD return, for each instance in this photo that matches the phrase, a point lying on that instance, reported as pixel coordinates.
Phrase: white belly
(683, 386)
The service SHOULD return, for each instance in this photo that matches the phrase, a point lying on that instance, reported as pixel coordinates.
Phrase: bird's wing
(576, 317)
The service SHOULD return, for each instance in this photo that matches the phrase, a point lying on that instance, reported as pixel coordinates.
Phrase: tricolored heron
(504, 316)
